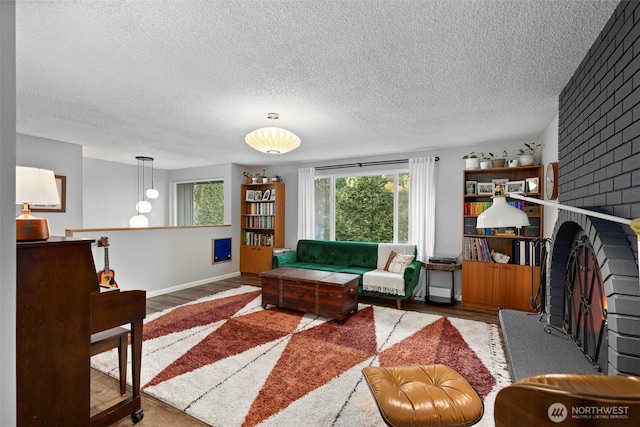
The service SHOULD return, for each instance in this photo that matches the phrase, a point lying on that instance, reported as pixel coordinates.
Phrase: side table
(433, 266)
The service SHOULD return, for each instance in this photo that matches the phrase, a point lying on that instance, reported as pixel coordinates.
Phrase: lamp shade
(35, 185)
(143, 206)
(501, 214)
(152, 193)
(138, 221)
(272, 140)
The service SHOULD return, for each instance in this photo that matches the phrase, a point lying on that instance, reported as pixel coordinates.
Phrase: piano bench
(112, 338)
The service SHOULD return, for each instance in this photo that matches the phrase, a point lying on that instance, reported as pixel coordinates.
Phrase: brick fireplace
(617, 268)
(599, 165)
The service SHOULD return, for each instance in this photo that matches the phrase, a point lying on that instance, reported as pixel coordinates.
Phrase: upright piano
(58, 307)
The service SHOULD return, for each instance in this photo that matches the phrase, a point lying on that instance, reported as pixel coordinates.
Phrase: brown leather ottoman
(431, 395)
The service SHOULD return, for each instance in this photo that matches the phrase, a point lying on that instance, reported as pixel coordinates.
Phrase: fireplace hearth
(594, 292)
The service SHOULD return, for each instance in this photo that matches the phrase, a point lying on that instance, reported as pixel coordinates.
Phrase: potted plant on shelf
(248, 176)
(265, 178)
(527, 154)
(497, 160)
(471, 161)
(485, 163)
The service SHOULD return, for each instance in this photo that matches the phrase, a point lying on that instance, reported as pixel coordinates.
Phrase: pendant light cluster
(272, 140)
(142, 205)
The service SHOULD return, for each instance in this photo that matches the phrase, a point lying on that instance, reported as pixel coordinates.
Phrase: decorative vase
(265, 179)
(513, 163)
(526, 159)
(485, 165)
(472, 163)
(497, 163)
(254, 180)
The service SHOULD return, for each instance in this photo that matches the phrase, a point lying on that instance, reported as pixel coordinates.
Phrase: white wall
(160, 260)
(111, 192)
(7, 219)
(550, 154)
(64, 159)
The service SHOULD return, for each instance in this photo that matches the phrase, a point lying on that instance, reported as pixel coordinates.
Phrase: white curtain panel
(422, 212)
(306, 203)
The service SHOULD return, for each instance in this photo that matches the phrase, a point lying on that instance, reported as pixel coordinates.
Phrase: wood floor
(105, 390)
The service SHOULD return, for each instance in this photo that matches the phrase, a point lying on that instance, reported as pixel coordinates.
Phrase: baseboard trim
(191, 284)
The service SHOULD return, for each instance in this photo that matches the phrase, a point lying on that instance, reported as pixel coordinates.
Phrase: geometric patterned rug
(228, 362)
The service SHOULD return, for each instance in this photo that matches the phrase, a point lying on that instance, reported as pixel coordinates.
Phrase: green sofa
(361, 258)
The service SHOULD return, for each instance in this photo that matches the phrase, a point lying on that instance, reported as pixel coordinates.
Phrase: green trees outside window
(369, 208)
(200, 203)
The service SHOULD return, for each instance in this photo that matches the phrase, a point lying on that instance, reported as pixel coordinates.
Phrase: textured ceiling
(185, 81)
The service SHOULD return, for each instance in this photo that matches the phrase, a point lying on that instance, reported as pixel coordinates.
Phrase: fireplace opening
(593, 293)
(585, 305)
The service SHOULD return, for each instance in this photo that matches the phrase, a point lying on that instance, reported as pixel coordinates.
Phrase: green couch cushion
(352, 254)
(317, 266)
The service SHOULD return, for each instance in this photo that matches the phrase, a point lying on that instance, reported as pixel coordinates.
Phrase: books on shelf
(259, 222)
(265, 208)
(257, 239)
(476, 208)
(476, 249)
(526, 252)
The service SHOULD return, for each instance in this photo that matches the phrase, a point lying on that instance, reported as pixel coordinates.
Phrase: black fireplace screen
(585, 311)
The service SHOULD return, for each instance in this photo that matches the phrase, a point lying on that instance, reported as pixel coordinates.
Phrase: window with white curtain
(371, 207)
(200, 203)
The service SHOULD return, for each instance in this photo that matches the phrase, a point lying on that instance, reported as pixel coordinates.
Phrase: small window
(200, 203)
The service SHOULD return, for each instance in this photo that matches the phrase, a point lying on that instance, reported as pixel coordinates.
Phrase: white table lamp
(34, 185)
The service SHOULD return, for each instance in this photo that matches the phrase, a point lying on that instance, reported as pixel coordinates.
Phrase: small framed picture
(470, 187)
(514, 187)
(486, 187)
(61, 183)
(257, 195)
(266, 195)
(273, 194)
(533, 185)
(250, 195)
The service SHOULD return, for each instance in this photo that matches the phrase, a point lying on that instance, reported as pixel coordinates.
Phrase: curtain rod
(354, 165)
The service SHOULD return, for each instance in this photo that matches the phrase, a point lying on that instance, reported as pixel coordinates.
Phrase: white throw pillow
(399, 263)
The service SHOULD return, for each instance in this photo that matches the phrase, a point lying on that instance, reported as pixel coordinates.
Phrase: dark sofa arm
(284, 259)
(411, 276)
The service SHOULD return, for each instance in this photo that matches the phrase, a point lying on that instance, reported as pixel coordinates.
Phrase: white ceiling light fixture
(272, 140)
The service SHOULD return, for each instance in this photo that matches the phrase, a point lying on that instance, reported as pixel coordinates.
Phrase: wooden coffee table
(312, 291)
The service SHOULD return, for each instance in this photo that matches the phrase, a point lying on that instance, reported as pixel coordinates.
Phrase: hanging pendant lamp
(142, 206)
(272, 140)
(152, 193)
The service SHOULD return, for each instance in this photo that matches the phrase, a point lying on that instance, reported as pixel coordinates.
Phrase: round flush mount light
(271, 139)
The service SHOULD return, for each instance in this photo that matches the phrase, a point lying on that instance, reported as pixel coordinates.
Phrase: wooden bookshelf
(261, 225)
(487, 284)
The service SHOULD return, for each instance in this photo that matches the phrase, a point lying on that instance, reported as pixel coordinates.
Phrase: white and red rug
(227, 361)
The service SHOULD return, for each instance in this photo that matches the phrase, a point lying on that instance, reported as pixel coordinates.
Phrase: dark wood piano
(58, 307)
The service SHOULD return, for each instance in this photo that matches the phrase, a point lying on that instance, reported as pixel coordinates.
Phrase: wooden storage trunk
(312, 291)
